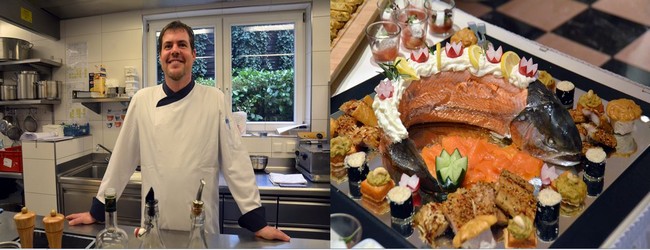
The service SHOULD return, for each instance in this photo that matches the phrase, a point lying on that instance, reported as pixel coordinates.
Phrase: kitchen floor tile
(633, 10)
(574, 49)
(512, 25)
(637, 53)
(546, 15)
(601, 31)
(633, 73)
(473, 8)
(492, 3)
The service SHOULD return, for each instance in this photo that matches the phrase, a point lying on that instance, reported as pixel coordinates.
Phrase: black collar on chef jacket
(174, 96)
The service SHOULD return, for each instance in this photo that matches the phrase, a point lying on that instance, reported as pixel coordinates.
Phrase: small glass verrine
(441, 16)
(387, 7)
(345, 230)
(383, 39)
(413, 22)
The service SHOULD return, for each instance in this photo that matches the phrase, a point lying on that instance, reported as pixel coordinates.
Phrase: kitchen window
(256, 59)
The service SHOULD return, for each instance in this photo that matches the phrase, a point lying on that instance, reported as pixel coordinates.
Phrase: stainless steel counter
(266, 187)
(172, 239)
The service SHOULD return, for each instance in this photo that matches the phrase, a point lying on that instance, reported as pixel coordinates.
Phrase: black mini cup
(565, 97)
(547, 221)
(355, 177)
(594, 184)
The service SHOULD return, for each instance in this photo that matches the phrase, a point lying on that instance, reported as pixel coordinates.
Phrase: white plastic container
(52, 128)
(129, 71)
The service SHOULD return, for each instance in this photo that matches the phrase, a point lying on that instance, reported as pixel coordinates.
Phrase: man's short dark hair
(176, 25)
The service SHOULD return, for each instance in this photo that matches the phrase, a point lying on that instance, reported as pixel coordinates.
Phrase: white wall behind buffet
(115, 40)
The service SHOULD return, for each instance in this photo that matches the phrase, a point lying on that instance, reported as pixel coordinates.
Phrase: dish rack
(76, 129)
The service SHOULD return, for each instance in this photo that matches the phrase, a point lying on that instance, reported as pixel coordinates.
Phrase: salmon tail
(406, 157)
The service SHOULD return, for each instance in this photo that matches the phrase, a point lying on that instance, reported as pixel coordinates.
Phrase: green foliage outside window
(263, 85)
(264, 95)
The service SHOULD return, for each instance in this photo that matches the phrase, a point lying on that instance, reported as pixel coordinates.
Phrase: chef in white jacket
(180, 132)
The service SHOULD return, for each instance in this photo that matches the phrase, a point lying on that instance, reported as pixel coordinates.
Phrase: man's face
(176, 55)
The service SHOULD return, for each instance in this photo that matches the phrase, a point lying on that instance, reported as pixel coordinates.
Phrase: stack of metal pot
(48, 89)
(27, 84)
(7, 91)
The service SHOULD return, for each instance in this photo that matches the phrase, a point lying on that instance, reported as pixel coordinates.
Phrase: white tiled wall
(115, 40)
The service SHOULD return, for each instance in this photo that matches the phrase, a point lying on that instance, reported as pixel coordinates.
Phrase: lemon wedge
(508, 60)
(405, 70)
(475, 53)
(438, 57)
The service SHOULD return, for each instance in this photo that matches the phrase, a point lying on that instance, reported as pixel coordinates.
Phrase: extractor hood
(25, 15)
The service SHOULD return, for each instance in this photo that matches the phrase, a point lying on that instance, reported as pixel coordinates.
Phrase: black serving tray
(626, 184)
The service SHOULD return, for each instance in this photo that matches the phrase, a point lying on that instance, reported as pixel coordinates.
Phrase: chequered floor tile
(512, 25)
(546, 15)
(633, 10)
(637, 53)
(494, 3)
(613, 34)
(473, 8)
(574, 49)
(601, 31)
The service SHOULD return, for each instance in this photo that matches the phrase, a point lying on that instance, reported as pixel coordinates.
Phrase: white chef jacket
(176, 145)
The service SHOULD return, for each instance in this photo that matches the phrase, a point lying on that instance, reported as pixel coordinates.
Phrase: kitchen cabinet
(296, 217)
(230, 213)
(293, 215)
(40, 163)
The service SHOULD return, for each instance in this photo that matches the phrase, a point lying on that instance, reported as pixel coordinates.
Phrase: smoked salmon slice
(485, 160)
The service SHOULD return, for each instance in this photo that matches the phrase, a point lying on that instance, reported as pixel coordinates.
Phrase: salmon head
(545, 128)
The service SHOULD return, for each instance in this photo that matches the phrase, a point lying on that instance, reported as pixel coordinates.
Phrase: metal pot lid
(4, 125)
(29, 72)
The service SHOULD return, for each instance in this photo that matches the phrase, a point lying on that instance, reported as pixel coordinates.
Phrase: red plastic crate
(11, 159)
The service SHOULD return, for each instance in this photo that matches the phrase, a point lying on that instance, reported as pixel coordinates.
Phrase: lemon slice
(508, 60)
(404, 69)
(438, 57)
(475, 53)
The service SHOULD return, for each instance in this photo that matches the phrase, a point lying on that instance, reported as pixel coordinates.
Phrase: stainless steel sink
(78, 185)
(92, 171)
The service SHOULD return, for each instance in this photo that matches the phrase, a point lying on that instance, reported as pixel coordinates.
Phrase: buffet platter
(350, 36)
(616, 164)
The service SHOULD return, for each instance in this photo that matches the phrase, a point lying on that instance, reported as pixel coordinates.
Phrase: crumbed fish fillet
(430, 222)
(514, 195)
(465, 204)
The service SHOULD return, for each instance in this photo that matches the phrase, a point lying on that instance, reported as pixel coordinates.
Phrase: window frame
(222, 22)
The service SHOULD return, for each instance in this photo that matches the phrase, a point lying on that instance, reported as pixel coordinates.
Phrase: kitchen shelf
(30, 102)
(43, 66)
(94, 104)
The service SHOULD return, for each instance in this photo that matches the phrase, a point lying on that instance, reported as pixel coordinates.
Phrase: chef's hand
(80, 218)
(272, 233)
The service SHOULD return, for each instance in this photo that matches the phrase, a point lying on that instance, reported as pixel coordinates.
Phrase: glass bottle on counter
(111, 236)
(197, 232)
(150, 234)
